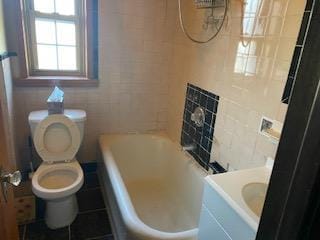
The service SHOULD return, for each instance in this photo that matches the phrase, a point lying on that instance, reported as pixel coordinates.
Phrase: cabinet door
(209, 228)
(231, 221)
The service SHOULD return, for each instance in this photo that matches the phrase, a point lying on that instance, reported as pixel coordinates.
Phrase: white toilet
(57, 139)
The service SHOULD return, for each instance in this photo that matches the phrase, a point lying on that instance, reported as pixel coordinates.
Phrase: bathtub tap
(189, 147)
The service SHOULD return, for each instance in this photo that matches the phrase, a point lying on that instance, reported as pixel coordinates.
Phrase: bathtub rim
(128, 213)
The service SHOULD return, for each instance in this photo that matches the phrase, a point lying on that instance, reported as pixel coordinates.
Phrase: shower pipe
(199, 41)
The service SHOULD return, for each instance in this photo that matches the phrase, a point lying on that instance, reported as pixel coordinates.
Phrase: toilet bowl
(59, 180)
(57, 184)
(57, 139)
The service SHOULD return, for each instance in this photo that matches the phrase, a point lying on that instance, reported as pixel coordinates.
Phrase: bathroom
(186, 119)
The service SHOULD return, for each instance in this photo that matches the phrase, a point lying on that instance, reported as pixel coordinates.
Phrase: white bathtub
(152, 189)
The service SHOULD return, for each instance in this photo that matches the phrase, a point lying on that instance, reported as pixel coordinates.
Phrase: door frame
(294, 185)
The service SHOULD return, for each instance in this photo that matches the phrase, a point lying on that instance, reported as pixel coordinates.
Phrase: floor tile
(89, 167)
(90, 181)
(90, 199)
(106, 237)
(40, 208)
(39, 231)
(90, 225)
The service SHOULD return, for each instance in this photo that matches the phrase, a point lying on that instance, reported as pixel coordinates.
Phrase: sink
(254, 195)
(244, 191)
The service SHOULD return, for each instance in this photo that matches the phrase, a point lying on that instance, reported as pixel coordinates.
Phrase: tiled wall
(298, 51)
(135, 39)
(191, 133)
(248, 73)
(145, 63)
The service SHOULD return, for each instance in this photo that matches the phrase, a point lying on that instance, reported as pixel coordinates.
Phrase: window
(59, 40)
(54, 37)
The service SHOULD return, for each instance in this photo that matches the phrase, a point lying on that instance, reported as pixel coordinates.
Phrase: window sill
(56, 81)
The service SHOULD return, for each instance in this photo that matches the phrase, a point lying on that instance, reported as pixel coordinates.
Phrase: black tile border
(190, 133)
(295, 63)
(5, 55)
(216, 168)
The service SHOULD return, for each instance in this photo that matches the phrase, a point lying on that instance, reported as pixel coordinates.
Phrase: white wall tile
(249, 78)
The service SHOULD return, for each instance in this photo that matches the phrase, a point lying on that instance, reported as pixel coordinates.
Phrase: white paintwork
(153, 190)
(229, 187)
(56, 181)
(56, 138)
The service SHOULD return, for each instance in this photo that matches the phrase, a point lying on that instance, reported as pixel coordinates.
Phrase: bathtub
(152, 189)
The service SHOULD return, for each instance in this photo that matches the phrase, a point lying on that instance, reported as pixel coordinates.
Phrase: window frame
(30, 34)
(17, 42)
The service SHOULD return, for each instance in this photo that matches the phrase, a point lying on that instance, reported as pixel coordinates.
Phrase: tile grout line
(96, 237)
(91, 211)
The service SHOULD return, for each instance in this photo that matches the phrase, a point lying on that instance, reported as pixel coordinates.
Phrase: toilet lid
(57, 138)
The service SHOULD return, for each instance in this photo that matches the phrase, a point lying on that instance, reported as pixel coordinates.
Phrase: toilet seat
(61, 124)
(46, 170)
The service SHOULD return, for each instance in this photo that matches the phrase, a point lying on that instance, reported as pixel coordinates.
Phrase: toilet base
(61, 212)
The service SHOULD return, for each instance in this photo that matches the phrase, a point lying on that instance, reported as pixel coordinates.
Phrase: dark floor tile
(39, 231)
(90, 199)
(89, 167)
(107, 237)
(21, 231)
(90, 181)
(90, 225)
(40, 208)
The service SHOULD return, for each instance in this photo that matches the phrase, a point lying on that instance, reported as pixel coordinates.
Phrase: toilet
(57, 139)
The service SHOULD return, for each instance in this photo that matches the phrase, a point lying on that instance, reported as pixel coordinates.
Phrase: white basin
(254, 195)
(244, 191)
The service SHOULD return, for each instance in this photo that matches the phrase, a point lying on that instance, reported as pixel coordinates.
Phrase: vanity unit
(232, 204)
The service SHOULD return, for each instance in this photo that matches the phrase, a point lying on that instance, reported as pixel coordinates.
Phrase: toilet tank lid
(75, 115)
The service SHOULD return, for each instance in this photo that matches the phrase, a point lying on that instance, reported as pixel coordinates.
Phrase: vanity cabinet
(219, 221)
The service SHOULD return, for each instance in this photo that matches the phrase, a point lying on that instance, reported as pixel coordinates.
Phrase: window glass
(66, 33)
(47, 57)
(55, 40)
(45, 6)
(67, 58)
(45, 31)
(65, 7)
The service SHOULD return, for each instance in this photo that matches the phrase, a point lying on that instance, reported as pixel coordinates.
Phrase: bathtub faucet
(189, 147)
